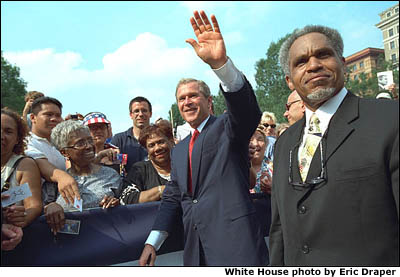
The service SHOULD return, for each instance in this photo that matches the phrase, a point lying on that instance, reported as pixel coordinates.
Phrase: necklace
(165, 176)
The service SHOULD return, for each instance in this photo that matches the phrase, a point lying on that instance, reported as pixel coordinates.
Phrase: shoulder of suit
(383, 105)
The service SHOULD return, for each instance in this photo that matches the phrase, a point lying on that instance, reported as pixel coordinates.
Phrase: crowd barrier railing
(106, 237)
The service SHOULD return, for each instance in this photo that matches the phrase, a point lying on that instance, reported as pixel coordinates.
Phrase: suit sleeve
(275, 235)
(170, 210)
(243, 113)
(276, 246)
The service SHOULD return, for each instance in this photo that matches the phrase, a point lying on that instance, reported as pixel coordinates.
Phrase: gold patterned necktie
(312, 139)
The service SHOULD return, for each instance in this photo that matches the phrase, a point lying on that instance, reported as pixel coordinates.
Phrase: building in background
(363, 61)
(389, 25)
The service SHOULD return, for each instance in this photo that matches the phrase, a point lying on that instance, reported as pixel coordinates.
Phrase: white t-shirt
(39, 148)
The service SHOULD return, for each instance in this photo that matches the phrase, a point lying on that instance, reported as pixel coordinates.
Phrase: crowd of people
(338, 207)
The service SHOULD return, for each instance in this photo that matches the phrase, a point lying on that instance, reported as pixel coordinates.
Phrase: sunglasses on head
(266, 125)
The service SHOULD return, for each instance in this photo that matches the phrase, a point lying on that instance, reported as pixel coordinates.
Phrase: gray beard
(321, 94)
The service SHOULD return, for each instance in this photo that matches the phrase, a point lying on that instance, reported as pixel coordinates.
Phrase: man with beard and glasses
(339, 206)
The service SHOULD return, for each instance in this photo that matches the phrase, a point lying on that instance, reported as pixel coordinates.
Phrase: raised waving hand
(210, 46)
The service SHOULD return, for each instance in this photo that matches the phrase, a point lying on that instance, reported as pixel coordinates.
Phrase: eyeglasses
(290, 104)
(266, 125)
(313, 183)
(82, 144)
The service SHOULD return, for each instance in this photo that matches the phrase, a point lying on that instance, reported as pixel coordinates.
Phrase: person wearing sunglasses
(295, 108)
(268, 121)
(335, 191)
(268, 125)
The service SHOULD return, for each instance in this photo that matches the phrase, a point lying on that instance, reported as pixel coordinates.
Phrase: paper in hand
(71, 227)
(78, 204)
(385, 79)
(16, 194)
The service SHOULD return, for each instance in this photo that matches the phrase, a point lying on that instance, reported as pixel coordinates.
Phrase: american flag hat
(95, 117)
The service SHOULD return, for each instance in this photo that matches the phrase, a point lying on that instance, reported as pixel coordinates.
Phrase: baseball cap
(383, 95)
(95, 117)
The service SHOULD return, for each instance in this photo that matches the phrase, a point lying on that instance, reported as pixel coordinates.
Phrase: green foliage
(13, 87)
(219, 103)
(272, 90)
(367, 87)
(176, 116)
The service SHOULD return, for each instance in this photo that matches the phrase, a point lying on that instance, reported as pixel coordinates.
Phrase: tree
(272, 90)
(219, 103)
(13, 87)
(176, 116)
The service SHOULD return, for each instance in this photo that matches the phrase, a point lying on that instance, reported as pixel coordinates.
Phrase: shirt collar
(327, 110)
(201, 126)
(129, 132)
(33, 135)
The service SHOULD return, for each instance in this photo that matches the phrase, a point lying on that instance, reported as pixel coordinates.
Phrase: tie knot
(194, 136)
(314, 124)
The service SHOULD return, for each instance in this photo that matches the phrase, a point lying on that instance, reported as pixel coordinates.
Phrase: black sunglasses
(313, 182)
(266, 125)
(290, 104)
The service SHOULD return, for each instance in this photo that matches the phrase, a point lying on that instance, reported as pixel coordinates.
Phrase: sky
(98, 55)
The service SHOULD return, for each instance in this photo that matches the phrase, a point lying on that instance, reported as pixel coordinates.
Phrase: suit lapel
(339, 128)
(294, 141)
(197, 153)
(182, 163)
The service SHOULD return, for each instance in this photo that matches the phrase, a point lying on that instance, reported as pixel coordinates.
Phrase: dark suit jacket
(220, 212)
(351, 219)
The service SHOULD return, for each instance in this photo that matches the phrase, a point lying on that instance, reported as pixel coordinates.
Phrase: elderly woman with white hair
(95, 181)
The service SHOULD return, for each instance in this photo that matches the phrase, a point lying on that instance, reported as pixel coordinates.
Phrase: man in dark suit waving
(335, 191)
(210, 167)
